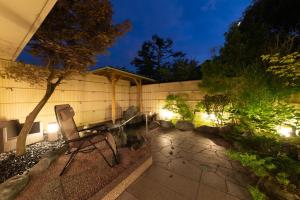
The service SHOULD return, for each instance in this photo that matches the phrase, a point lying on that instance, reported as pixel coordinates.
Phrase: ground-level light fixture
(166, 114)
(52, 130)
(209, 117)
(285, 131)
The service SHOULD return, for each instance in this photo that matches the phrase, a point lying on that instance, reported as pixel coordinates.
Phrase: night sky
(195, 26)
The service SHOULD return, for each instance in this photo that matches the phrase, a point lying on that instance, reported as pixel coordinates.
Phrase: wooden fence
(89, 95)
(154, 95)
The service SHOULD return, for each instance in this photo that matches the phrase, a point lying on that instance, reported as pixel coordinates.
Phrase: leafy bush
(260, 166)
(214, 104)
(263, 120)
(280, 168)
(286, 68)
(282, 178)
(258, 99)
(256, 193)
(288, 170)
(178, 105)
(264, 145)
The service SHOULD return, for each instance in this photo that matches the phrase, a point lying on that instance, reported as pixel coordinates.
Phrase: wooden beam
(113, 80)
(141, 96)
(139, 93)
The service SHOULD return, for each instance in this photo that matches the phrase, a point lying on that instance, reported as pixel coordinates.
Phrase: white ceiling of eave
(19, 19)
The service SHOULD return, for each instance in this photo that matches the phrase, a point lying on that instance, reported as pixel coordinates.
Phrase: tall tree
(255, 87)
(155, 58)
(74, 32)
(185, 69)
(259, 32)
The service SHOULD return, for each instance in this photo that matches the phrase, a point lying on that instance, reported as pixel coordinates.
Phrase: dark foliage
(267, 27)
(159, 61)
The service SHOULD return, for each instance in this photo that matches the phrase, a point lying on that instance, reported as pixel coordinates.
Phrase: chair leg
(115, 155)
(72, 156)
(103, 156)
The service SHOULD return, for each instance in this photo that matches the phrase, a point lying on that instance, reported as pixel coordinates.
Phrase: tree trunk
(21, 140)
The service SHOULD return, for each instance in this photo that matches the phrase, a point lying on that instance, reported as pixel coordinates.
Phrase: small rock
(12, 165)
(166, 124)
(208, 129)
(184, 125)
(130, 112)
(225, 130)
(153, 125)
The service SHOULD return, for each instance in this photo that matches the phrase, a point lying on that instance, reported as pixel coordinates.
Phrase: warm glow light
(284, 130)
(209, 117)
(52, 128)
(166, 114)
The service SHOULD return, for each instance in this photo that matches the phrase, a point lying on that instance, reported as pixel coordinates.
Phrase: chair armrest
(83, 138)
(97, 128)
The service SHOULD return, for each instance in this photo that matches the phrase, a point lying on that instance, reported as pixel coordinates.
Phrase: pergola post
(139, 93)
(113, 75)
(113, 80)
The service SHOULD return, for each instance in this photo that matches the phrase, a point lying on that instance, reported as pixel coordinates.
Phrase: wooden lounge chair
(64, 115)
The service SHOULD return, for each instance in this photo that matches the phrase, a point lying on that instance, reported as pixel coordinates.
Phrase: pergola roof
(108, 71)
(113, 75)
(19, 21)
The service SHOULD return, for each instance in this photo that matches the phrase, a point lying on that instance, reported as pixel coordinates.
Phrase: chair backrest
(64, 115)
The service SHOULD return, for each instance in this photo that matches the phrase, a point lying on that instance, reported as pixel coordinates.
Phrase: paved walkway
(189, 166)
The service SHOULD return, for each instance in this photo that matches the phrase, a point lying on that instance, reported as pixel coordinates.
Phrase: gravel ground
(11, 165)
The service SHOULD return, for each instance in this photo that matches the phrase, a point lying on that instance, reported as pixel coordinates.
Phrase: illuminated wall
(89, 95)
(154, 95)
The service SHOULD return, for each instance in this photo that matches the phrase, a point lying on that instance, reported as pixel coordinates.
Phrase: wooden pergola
(113, 75)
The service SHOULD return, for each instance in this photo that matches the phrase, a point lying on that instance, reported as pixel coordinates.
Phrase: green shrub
(287, 168)
(286, 68)
(216, 105)
(261, 144)
(178, 105)
(260, 166)
(258, 100)
(280, 168)
(282, 178)
(256, 194)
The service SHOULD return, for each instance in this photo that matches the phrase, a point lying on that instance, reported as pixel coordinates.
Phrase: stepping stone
(210, 193)
(213, 180)
(186, 169)
(147, 189)
(166, 151)
(238, 191)
(183, 186)
(160, 157)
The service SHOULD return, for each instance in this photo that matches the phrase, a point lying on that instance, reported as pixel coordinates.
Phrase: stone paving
(189, 166)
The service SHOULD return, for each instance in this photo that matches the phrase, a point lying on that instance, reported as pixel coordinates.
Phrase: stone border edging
(10, 189)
